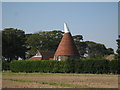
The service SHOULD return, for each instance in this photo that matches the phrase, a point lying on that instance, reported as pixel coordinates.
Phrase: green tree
(50, 39)
(78, 38)
(13, 44)
(32, 44)
(110, 51)
(91, 49)
(97, 50)
(80, 44)
(47, 40)
(118, 50)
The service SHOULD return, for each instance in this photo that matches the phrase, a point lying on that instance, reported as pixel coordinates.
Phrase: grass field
(58, 80)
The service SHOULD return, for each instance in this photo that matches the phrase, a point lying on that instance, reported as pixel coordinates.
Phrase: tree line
(16, 44)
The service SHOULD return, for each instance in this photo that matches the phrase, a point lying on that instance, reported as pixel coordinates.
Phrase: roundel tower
(66, 48)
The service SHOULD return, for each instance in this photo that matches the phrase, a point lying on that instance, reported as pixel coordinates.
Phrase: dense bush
(115, 66)
(96, 66)
(68, 66)
(38, 66)
(88, 66)
(5, 65)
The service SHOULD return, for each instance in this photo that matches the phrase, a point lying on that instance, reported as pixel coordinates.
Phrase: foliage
(47, 40)
(115, 66)
(110, 51)
(25, 45)
(38, 66)
(13, 44)
(78, 38)
(81, 46)
(90, 49)
(118, 50)
(97, 50)
(5, 65)
(32, 43)
(68, 66)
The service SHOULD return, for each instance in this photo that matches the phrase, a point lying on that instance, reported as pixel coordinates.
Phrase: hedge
(45, 66)
(68, 66)
(115, 66)
(96, 66)
(5, 65)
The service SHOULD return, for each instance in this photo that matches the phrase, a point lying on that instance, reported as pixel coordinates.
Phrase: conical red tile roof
(67, 46)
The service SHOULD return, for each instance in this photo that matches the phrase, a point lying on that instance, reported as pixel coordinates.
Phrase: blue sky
(0, 15)
(96, 21)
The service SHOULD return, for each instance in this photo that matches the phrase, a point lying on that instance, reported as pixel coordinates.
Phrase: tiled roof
(67, 46)
(45, 55)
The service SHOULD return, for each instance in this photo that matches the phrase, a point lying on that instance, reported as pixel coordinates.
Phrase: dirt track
(85, 80)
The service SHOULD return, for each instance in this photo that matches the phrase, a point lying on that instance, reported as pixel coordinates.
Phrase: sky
(0, 15)
(96, 21)
(119, 17)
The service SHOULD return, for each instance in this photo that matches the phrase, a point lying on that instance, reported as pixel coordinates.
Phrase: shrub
(5, 65)
(88, 66)
(68, 66)
(114, 66)
(78, 67)
(45, 66)
(101, 66)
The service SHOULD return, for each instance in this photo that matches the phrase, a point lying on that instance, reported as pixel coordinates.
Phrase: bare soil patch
(85, 80)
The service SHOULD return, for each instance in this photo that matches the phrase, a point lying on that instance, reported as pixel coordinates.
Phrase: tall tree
(110, 51)
(81, 46)
(78, 38)
(97, 50)
(118, 43)
(13, 44)
(47, 40)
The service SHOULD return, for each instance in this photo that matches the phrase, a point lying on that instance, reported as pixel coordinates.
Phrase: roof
(66, 46)
(66, 29)
(42, 55)
(47, 54)
(110, 57)
(38, 54)
(35, 58)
